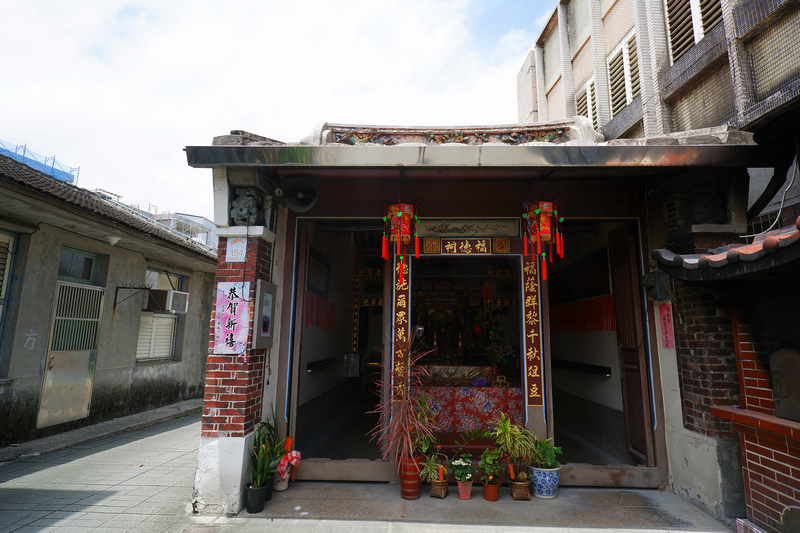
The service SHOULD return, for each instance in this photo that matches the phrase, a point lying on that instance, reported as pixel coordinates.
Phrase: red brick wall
(755, 382)
(706, 361)
(234, 383)
(771, 470)
(764, 319)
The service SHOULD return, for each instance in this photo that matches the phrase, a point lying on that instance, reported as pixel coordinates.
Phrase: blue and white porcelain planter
(544, 482)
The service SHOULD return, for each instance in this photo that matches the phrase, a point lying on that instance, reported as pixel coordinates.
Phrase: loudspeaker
(299, 194)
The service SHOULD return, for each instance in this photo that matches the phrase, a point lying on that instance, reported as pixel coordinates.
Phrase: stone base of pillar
(223, 466)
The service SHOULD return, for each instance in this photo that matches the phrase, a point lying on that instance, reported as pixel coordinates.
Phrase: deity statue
(244, 208)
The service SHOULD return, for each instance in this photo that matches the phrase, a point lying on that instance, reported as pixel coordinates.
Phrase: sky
(120, 88)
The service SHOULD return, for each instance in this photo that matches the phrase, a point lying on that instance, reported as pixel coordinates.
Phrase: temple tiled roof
(768, 252)
(36, 182)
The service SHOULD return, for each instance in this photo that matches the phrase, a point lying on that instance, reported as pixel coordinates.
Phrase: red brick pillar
(234, 385)
(234, 382)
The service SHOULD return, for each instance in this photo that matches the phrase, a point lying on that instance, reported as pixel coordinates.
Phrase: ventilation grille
(681, 30)
(711, 13)
(581, 105)
(616, 78)
(633, 61)
(592, 103)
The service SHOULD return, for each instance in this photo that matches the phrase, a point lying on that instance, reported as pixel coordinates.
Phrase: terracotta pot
(520, 490)
(464, 489)
(439, 489)
(409, 477)
(491, 492)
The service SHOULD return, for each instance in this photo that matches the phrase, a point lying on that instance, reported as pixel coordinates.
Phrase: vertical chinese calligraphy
(232, 316)
(533, 329)
(402, 327)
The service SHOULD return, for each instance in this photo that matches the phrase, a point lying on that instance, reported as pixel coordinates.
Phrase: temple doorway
(600, 389)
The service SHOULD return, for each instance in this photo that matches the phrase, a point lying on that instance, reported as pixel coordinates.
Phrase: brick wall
(764, 316)
(706, 361)
(771, 469)
(234, 383)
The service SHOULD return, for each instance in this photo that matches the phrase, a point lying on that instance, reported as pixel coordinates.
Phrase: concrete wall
(121, 385)
(696, 462)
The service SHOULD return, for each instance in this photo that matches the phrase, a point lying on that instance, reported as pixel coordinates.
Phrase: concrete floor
(142, 481)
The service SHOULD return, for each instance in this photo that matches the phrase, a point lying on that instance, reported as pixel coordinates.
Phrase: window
(158, 330)
(689, 21)
(586, 103)
(623, 74)
(78, 266)
(6, 245)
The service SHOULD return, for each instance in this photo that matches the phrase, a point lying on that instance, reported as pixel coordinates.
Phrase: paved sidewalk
(142, 481)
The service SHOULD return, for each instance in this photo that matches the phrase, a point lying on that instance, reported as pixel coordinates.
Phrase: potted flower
(545, 468)
(491, 467)
(434, 471)
(290, 458)
(406, 422)
(463, 471)
(516, 444)
(264, 457)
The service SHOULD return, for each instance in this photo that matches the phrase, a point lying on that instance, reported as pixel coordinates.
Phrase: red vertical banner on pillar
(402, 306)
(532, 347)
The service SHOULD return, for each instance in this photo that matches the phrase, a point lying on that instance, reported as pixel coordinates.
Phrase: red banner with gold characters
(533, 329)
(402, 308)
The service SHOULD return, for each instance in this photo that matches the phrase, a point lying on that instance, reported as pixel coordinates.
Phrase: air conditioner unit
(161, 301)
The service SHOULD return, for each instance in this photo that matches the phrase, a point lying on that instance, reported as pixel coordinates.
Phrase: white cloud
(120, 88)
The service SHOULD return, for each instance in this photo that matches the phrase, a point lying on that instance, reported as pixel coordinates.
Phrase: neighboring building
(665, 69)
(102, 314)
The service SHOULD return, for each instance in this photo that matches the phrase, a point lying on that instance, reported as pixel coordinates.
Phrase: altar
(463, 409)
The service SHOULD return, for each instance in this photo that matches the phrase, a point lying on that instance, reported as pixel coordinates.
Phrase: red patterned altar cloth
(469, 408)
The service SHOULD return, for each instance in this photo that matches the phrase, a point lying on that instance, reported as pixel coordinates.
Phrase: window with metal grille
(623, 74)
(157, 331)
(689, 21)
(76, 318)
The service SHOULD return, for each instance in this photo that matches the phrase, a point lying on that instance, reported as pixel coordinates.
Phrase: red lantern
(400, 218)
(544, 226)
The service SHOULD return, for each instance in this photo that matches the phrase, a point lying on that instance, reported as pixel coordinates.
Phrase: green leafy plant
(435, 467)
(544, 454)
(462, 467)
(491, 466)
(266, 451)
(516, 444)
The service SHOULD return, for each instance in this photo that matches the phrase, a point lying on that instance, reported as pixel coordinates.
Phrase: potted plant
(516, 444)
(435, 471)
(545, 468)
(264, 457)
(463, 471)
(406, 422)
(491, 467)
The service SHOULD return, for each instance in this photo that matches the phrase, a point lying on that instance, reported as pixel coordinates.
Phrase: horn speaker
(299, 194)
